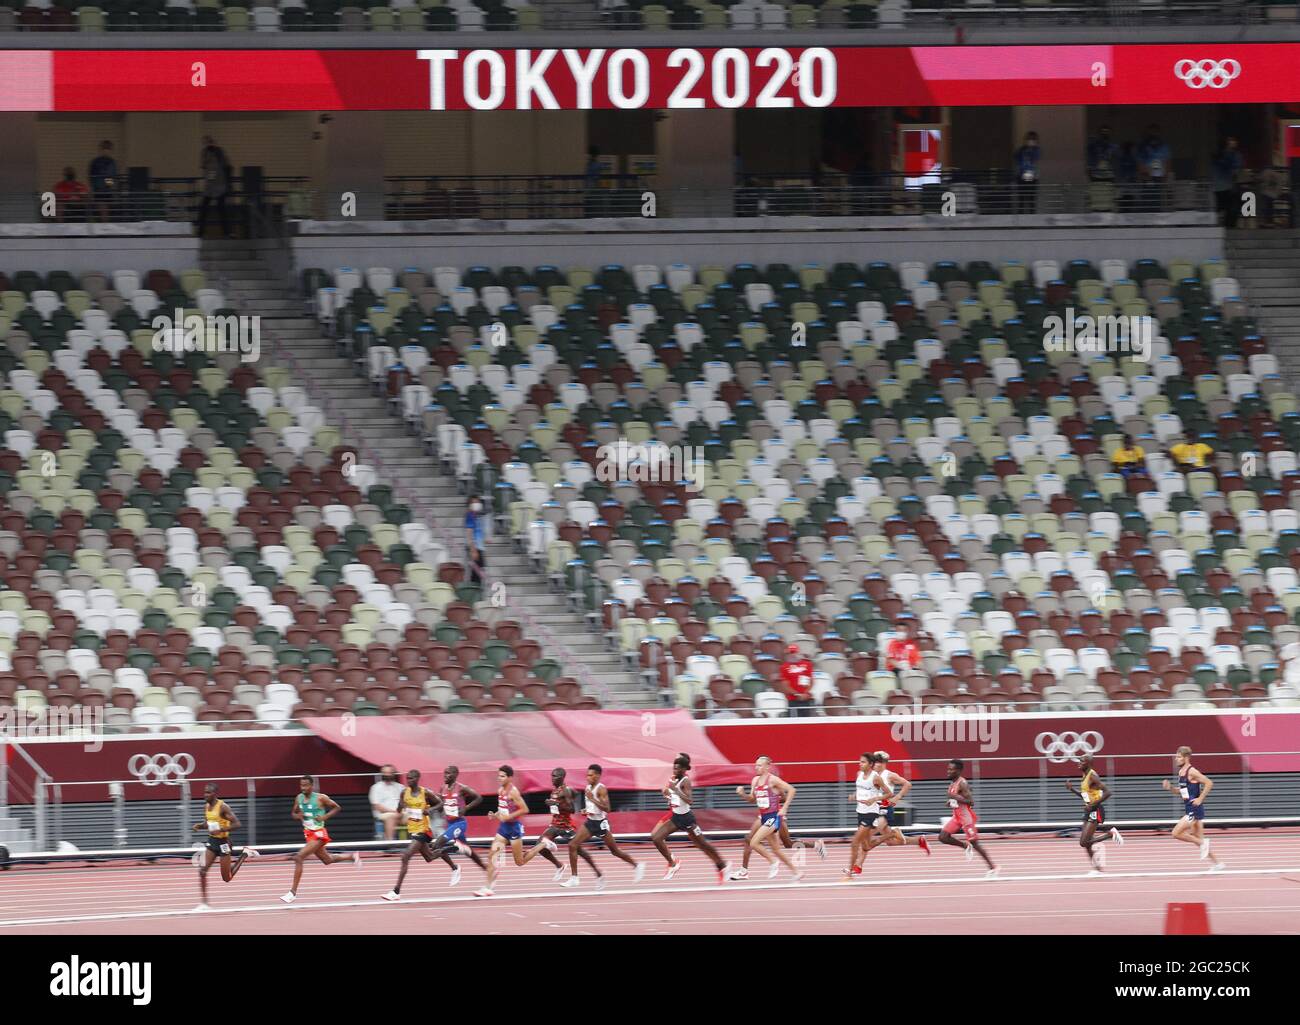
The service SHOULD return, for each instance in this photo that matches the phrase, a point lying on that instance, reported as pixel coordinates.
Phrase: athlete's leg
(308, 851)
(747, 848)
(539, 848)
(587, 858)
(208, 857)
(575, 845)
(661, 833)
(498, 846)
(773, 838)
(239, 863)
(406, 863)
(612, 846)
(754, 842)
(1085, 838)
(697, 838)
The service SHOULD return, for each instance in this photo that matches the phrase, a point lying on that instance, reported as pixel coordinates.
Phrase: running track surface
(1044, 889)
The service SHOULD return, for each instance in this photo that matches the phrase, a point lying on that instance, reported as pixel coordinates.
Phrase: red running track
(1044, 888)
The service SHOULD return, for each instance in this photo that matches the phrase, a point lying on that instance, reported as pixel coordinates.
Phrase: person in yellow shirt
(1129, 458)
(219, 820)
(1094, 794)
(1190, 454)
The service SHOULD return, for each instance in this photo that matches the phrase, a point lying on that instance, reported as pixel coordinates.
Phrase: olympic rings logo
(1207, 73)
(164, 768)
(1064, 747)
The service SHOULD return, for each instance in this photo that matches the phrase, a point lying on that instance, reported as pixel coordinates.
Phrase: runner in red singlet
(963, 818)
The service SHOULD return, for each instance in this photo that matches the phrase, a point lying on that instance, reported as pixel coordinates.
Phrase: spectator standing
(1227, 165)
(903, 652)
(103, 180)
(385, 796)
(70, 197)
(1153, 156)
(797, 678)
(1103, 156)
(475, 536)
(591, 176)
(216, 185)
(1026, 161)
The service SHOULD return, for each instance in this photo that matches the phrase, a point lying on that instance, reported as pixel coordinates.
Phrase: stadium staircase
(1267, 264)
(292, 338)
(14, 836)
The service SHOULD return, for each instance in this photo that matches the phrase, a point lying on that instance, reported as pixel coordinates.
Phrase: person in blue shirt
(1026, 160)
(475, 535)
(103, 179)
(1153, 156)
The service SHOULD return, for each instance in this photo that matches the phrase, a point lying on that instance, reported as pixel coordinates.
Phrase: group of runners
(878, 791)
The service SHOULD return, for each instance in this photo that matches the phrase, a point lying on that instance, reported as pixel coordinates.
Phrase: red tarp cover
(635, 748)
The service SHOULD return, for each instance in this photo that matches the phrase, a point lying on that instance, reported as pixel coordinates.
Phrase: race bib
(952, 802)
(310, 824)
(1157, 168)
(414, 815)
(555, 809)
(451, 808)
(1182, 792)
(214, 827)
(764, 801)
(1028, 176)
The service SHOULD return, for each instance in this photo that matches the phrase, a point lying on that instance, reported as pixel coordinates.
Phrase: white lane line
(640, 891)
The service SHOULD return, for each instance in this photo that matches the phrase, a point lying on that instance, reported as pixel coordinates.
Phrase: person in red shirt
(797, 678)
(70, 197)
(903, 652)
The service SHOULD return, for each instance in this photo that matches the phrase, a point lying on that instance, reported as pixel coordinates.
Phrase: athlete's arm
(331, 807)
(748, 795)
(904, 785)
(435, 802)
(1105, 790)
(684, 788)
(1069, 785)
(520, 807)
(230, 814)
(963, 794)
(600, 797)
(297, 811)
(1207, 785)
(475, 799)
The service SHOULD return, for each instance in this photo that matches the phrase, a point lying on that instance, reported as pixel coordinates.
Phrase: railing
(1011, 793)
(617, 16)
(636, 197)
(166, 199)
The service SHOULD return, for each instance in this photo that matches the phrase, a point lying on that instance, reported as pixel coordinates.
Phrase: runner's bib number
(214, 827)
(414, 815)
(451, 808)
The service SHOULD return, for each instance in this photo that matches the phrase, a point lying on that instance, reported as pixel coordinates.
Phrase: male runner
(561, 830)
(596, 797)
(218, 821)
(678, 792)
(1193, 787)
(773, 797)
(963, 818)
(889, 834)
(510, 809)
(1095, 794)
(314, 810)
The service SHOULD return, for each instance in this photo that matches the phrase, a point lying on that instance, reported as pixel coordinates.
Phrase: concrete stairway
(14, 836)
(1267, 265)
(292, 338)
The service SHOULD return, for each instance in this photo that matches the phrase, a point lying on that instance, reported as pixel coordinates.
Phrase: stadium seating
(886, 447)
(185, 541)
